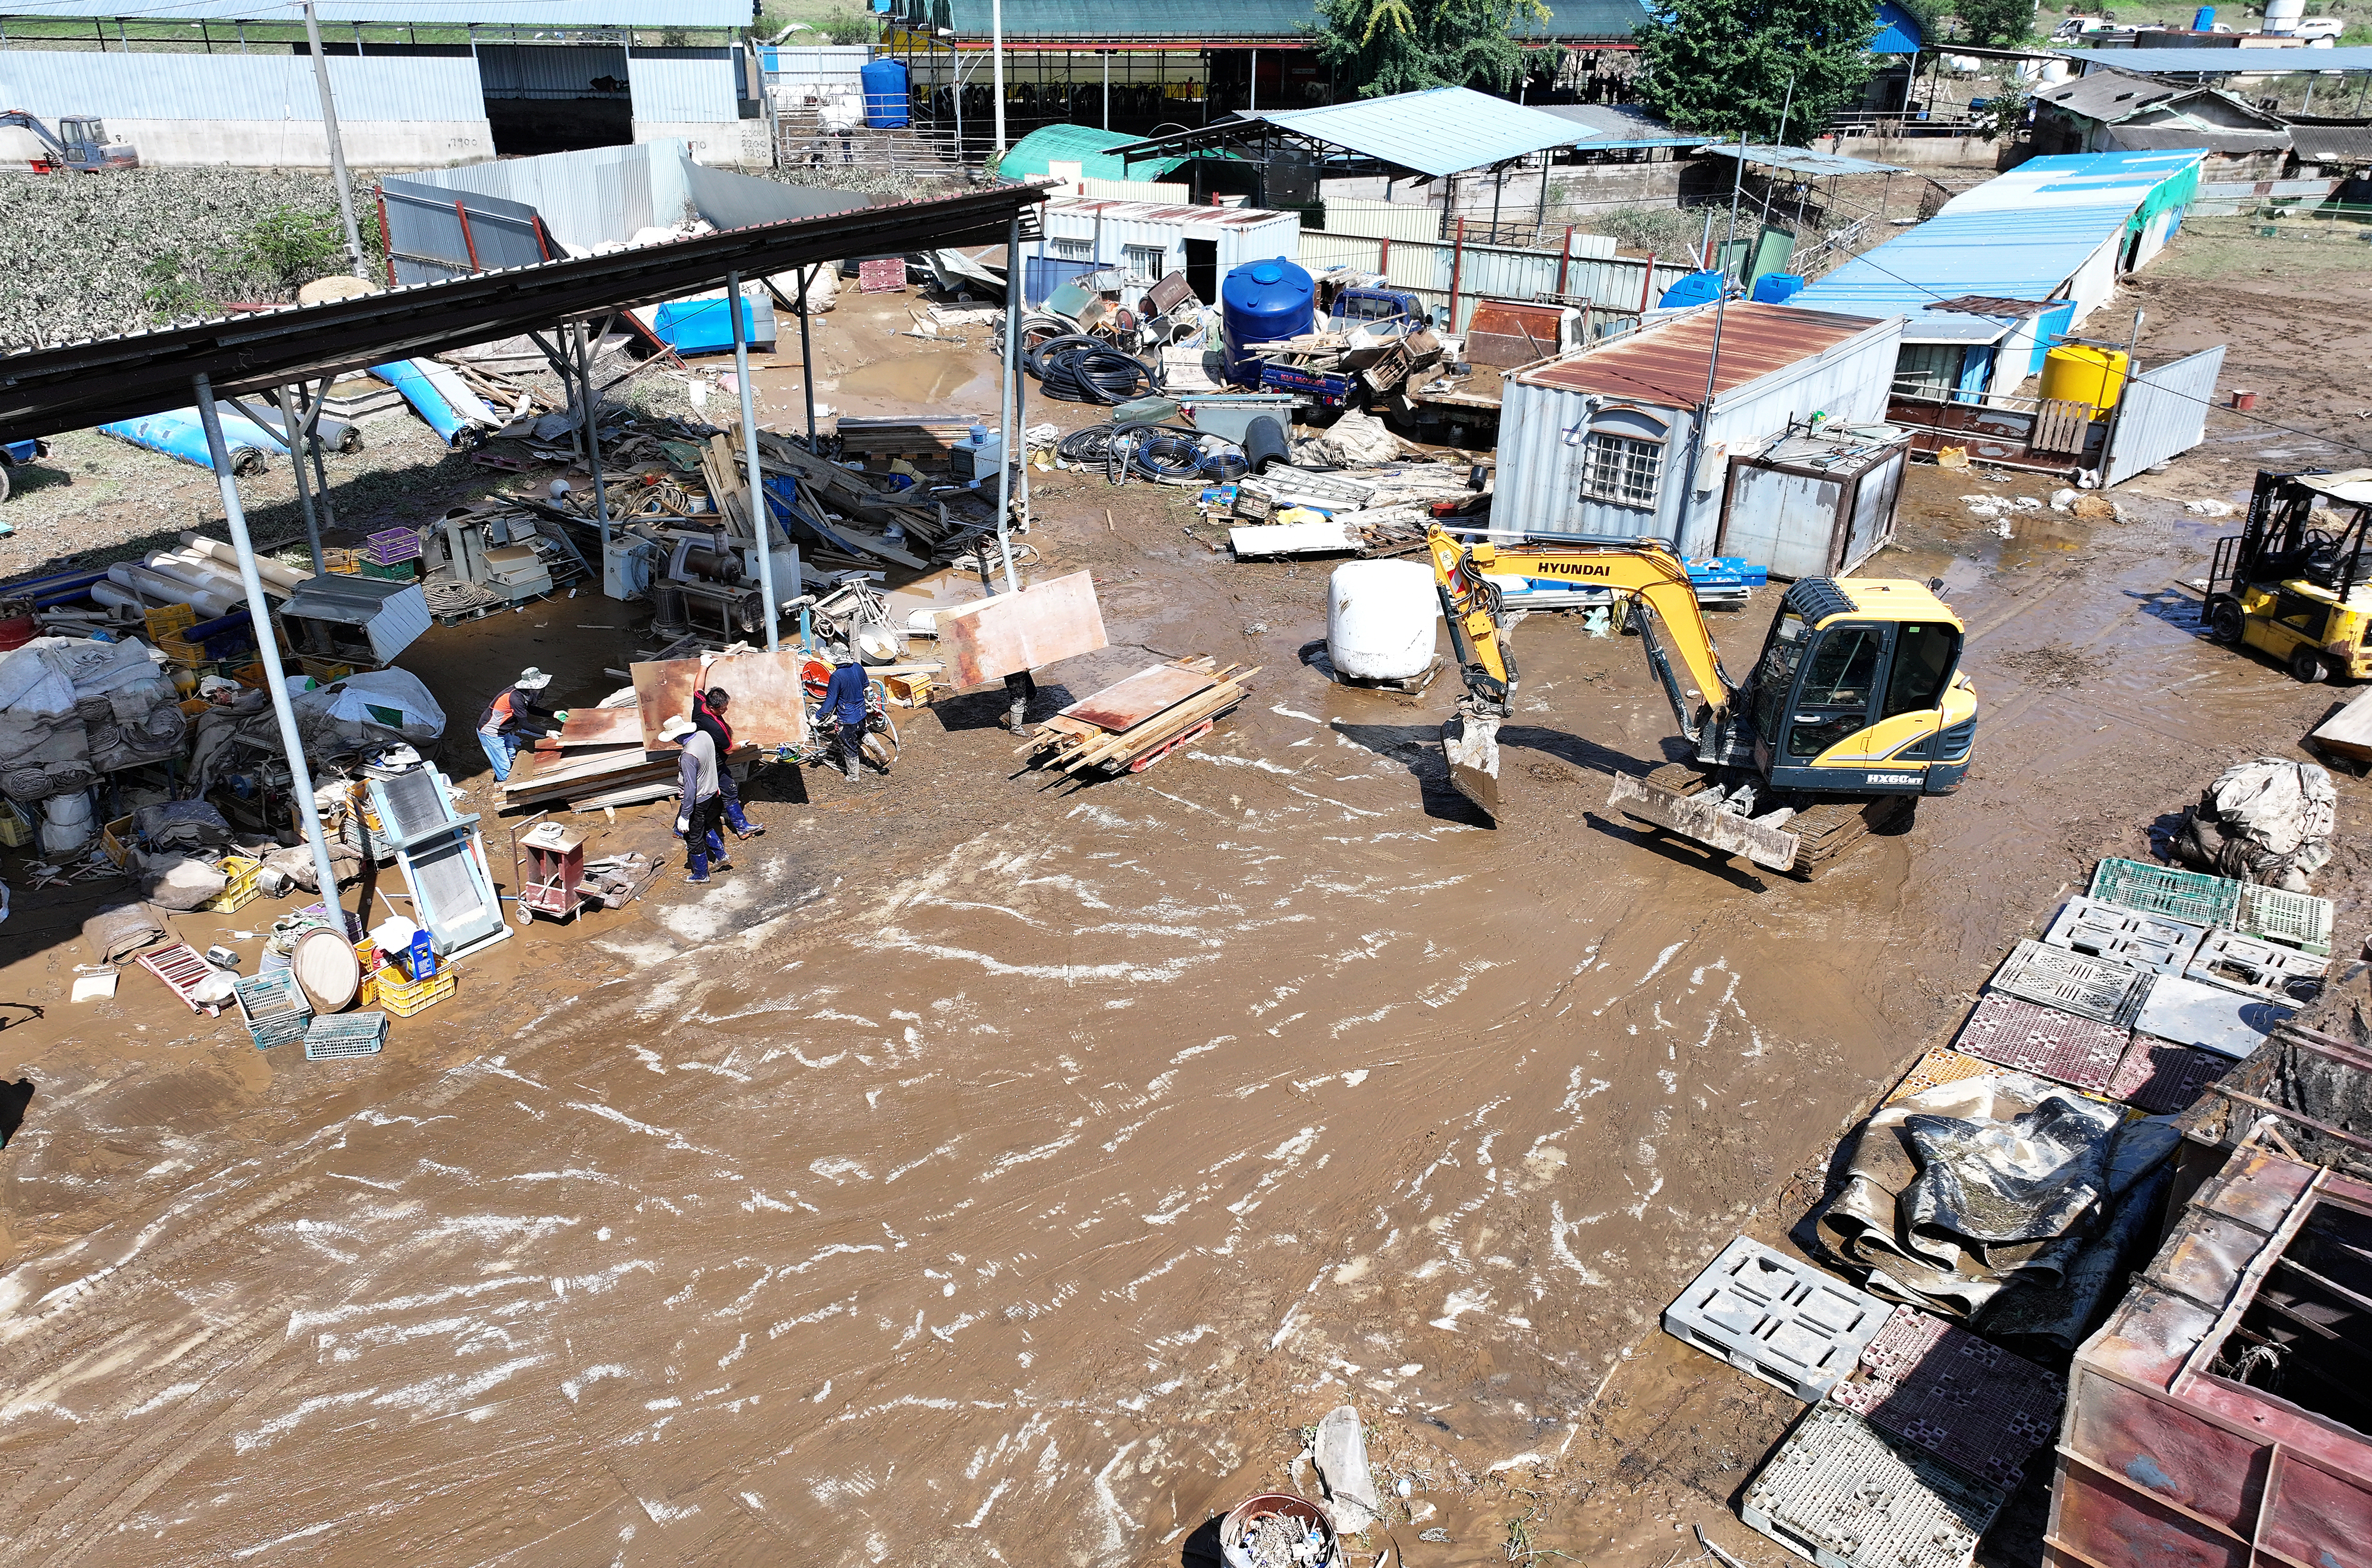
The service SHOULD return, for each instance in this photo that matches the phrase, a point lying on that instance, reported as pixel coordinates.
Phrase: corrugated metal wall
(1423, 267)
(550, 71)
(684, 86)
(2164, 412)
(238, 87)
(815, 70)
(586, 197)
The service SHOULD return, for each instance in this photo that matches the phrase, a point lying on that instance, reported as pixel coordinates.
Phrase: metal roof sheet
(2181, 62)
(1667, 363)
(729, 15)
(1440, 132)
(1119, 210)
(2349, 142)
(1582, 18)
(1800, 160)
(1286, 21)
(1618, 125)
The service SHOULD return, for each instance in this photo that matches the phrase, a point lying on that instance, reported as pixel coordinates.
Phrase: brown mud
(997, 1170)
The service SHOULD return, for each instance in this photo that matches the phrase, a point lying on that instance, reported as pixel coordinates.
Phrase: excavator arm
(24, 120)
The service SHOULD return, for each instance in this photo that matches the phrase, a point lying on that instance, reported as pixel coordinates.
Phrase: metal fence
(1435, 271)
(2163, 411)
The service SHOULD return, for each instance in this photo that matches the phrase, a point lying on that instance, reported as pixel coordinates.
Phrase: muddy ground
(992, 1170)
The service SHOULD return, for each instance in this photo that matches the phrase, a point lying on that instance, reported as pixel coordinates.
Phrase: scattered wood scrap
(1127, 727)
(2348, 733)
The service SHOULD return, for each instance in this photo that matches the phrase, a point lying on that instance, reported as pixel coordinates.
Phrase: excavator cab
(1857, 690)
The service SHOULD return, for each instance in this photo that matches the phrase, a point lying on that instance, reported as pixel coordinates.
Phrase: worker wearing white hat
(500, 727)
(700, 816)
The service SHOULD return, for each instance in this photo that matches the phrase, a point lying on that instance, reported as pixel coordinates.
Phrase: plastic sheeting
(178, 433)
(2267, 822)
(438, 395)
(377, 704)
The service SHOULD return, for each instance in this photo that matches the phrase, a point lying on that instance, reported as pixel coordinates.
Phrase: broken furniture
(442, 857)
(548, 869)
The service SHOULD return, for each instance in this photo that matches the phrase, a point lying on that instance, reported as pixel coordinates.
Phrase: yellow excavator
(1855, 709)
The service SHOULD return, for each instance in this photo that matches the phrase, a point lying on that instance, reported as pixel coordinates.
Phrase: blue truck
(17, 452)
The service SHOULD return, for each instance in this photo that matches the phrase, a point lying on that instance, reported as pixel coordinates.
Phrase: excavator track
(1823, 832)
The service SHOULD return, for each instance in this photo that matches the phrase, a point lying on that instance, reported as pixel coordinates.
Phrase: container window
(1623, 471)
(1071, 250)
(1145, 262)
(1929, 370)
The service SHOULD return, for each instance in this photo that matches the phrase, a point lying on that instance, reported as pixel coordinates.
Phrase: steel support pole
(593, 440)
(299, 436)
(996, 49)
(321, 465)
(1005, 398)
(1107, 54)
(259, 612)
(761, 526)
(337, 148)
(807, 357)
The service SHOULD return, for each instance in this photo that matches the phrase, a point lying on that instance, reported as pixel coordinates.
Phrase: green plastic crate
(2160, 889)
(354, 1034)
(273, 1007)
(401, 572)
(2297, 920)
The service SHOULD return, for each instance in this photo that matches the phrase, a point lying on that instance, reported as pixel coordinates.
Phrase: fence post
(1565, 257)
(1647, 282)
(1456, 258)
(1384, 258)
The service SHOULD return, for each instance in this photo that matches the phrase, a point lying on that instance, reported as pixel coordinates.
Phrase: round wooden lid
(326, 967)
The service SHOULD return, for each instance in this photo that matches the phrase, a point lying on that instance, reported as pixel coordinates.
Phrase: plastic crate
(404, 997)
(170, 621)
(1940, 1066)
(2089, 988)
(116, 839)
(273, 1006)
(2161, 890)
(243, 888)
(2301, 920)
(2260, 968)
(1776, 1317)
(16, 832)
(2100, 930)
(349, 1034)
(2044, 1040)
(1963, 1400)
(2161, 1077)
(391, 547)
(399, 572)
(1847, 1496)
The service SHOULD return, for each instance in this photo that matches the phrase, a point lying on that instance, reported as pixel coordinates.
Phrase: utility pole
(997, 51)
(337, 148)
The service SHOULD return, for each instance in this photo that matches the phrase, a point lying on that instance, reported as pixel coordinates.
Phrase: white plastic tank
(1380, 617)
(65, 822)
(2282, 16)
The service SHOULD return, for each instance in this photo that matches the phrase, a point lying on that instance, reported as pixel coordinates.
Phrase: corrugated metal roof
(1618, 125)
(1899, 30)
(1082, 145)
(1286, 21)
(2349, 142)
(2113, 95)
(269, 88)
(1801, 160)
(732, 14)
(2179, 61)
(1440, 132)
(1667, 363)
(1583, 18)
(1164, 211)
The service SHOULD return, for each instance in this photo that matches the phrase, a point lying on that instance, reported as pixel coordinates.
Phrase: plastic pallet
(2044, 1040)
(2100, 930)
(2161, 1077)
(2300, 920)
(1847, 1496)
(2161, 890)
(2258, 967)
(2089, 988)
(1940, 1066)
(180, 967)
(351, 1034)
(1956, 1396)
(1776, 1317)
(2230, 1023)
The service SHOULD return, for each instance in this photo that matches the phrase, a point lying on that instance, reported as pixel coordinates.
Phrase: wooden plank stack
(597, 759)
(1083, 749)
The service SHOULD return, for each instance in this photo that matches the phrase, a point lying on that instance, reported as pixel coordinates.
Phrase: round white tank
(65, 822)
(1379, 620)
(2282, 16)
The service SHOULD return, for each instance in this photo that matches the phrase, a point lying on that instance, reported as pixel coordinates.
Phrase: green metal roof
(1279, 19)
(1586, 18)
(1082, 145)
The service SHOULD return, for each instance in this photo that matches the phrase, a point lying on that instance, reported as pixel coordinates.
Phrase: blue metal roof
(2019, 236)
(1441, 131)
(1898, 32)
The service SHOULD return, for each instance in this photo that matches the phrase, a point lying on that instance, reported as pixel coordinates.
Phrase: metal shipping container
(1815, 504)
(1153, 240)
(1605, 441)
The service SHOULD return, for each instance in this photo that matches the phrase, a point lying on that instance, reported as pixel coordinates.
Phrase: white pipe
(181, 572)
(115, 595)
(161, 589)
(269, 571)
(209, 573)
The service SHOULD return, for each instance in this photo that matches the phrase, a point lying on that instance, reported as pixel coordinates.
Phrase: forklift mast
(2279, 542)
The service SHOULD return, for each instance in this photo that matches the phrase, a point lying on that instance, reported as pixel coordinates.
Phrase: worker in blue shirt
(843, 705)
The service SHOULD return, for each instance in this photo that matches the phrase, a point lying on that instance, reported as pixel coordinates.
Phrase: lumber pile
(2346, 734)
(907, 435)
(1114, 732)
(850, 515)
(597, 759)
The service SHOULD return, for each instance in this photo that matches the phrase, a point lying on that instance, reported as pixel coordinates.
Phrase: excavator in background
(1856, 708)
(80, 144)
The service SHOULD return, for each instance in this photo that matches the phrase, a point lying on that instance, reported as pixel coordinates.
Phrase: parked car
(2318, 26)
(17, 452)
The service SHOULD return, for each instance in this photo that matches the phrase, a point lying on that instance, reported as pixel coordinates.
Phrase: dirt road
(997, 1171)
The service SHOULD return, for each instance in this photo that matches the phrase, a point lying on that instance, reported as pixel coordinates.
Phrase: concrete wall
(730, 143)
(1923, 152)
(297, 144)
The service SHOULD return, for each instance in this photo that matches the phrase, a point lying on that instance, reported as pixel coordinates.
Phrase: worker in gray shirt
(700, 818)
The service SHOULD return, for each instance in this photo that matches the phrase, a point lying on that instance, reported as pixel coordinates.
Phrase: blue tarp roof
(1440, 132)
(2019, 236)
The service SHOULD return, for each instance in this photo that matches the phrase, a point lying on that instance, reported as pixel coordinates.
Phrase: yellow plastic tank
(2074, 373)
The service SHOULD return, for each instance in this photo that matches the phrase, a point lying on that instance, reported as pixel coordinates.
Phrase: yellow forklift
(2295, 582)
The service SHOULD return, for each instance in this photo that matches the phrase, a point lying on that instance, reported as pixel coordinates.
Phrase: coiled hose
(1164, 454)
(1076, 368)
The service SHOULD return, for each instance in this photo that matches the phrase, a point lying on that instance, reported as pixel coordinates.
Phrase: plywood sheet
(769, 707)
(2348, 731)
(1040, 625)
(601, 726)
(1138, 698)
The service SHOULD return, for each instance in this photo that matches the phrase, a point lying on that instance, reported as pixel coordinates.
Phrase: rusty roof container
(1666, 363)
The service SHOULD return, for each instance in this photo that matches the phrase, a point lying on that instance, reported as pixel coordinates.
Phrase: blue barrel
(886, 105)
(1777, 288)
(1259, 303)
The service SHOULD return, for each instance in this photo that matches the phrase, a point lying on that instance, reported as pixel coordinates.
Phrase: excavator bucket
(1700, 817)
(1473, 746)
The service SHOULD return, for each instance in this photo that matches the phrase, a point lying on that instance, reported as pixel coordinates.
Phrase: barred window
(1145, 262)
(1623, 470)
(1071, 250)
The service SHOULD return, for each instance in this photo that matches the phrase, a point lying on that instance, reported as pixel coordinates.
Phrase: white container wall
(1138, 234)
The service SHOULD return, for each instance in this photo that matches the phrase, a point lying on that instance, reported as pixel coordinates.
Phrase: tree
(1726, 66)
(1996, 23)
(1400, 46)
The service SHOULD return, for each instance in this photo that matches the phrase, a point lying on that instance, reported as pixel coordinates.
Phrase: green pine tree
(1725, 66)
(1399, 46)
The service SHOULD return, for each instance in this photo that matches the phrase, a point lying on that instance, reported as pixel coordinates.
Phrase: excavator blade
(1473, 745)
(1701, 818)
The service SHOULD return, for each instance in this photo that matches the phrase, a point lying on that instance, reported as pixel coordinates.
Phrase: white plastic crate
(1778, 1318)
(1847, 1496)
(2271, 970)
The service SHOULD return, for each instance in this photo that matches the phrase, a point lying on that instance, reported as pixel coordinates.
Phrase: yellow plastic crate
(16, 832)
(171, 621)
(405, 997)
(244, 874)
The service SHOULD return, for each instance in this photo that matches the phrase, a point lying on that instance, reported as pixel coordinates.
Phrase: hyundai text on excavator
(1856, 708)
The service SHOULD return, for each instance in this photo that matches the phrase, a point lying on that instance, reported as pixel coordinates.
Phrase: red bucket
(2243, 399)
(16, 631)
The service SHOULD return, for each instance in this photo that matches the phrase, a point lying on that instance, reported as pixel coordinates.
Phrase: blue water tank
(886, 105)
(1260, 302)
(1777, 288)
(1697, 288)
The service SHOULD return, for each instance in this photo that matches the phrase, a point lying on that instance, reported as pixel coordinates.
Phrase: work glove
(682, 826)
